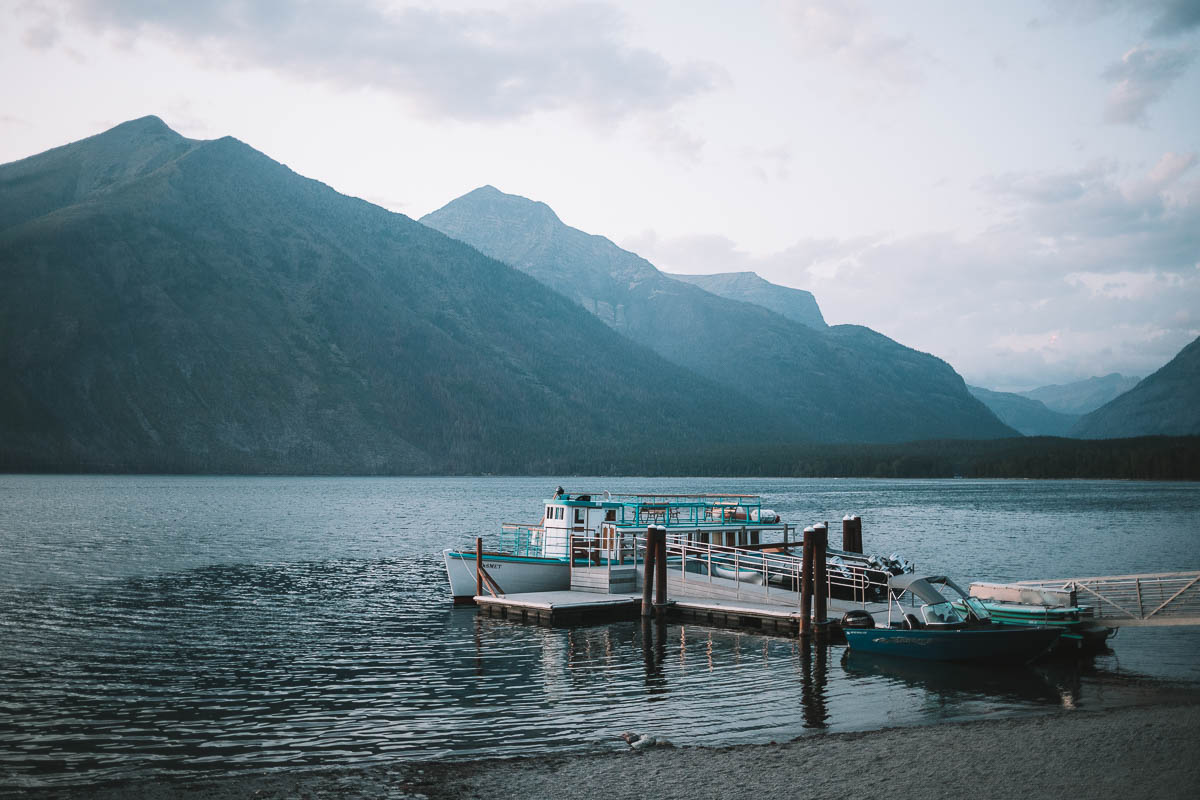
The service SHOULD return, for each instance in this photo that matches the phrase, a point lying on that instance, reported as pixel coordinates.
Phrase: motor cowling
(857, 618)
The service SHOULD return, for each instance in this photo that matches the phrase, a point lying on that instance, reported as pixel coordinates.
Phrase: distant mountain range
(1029, 417)
(795, 304)
(1080, 397)
(177, 305)
(1166, 403)
(844, 383)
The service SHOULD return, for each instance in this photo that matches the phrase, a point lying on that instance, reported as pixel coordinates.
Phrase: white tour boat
(603, 528)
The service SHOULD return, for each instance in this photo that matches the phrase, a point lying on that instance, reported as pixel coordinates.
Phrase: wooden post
(806, 584)
(858, 542)
(478, 566)
(648, 570)
(848, 534)
(820, 581)
(660, 574)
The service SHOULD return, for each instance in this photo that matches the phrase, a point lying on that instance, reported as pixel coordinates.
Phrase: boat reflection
(956, 680)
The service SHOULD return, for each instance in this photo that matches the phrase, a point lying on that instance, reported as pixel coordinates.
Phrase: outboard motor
(857, 618)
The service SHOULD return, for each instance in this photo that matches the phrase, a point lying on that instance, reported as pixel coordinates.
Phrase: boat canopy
(923, 586)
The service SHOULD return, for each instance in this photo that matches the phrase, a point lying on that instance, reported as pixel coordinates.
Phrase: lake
(209, 625)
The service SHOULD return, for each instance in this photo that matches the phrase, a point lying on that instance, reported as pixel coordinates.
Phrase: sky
(1011, 186)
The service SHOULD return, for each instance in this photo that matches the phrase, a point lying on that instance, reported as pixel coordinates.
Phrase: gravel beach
(1140, 752)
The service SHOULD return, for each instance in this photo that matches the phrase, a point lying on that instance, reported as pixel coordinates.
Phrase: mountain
(795, 304)
(1030, 417)
(169, 304)
(845, 383)
(1166, 403)
(1083, 396)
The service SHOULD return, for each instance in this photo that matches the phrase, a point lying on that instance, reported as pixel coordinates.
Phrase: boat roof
(923, 586)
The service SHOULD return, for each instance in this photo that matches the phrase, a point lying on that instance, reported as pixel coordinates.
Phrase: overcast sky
(1011, 186)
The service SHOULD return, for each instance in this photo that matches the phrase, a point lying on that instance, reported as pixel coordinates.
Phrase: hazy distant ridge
(1080, 397)
(1166, 403)
(1030, 417)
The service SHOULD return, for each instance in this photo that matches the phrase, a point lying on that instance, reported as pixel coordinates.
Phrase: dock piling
(660, 573)
(820, 578)
(648, 561)
(858, 542)
(478, 566)
(806, 583)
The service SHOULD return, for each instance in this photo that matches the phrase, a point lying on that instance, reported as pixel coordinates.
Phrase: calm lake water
(176, 625)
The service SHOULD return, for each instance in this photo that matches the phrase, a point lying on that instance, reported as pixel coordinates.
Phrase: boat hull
(513, 574)
(1012, 645)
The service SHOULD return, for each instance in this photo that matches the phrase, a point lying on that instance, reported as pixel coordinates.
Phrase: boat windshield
(977, 608)
(942, 613)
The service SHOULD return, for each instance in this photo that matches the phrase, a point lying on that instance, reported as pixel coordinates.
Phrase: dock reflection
(654, 654)
(814, 680)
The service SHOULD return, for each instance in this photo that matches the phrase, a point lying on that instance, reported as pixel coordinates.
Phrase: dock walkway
(577, 607)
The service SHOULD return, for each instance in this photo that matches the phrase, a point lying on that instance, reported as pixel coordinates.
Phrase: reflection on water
(243, 625)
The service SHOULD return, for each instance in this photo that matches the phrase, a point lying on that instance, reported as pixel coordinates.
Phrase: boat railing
(527, 540)
(686, 509)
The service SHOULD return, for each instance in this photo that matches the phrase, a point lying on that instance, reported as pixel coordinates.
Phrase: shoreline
(1145, 751)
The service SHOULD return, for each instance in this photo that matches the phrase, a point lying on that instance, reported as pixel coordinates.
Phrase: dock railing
(1163, 598)
(747, 573)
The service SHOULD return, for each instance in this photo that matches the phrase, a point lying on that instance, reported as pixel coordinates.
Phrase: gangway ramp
(1162, 598)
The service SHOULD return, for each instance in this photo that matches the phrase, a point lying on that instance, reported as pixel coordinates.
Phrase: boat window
(978, 609)
(942, 613)
(579, 516)
(558, 513)
(610, 515)
(549, 512)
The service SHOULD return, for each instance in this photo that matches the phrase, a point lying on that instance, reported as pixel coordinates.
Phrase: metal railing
(1164, 598)
(750, 573)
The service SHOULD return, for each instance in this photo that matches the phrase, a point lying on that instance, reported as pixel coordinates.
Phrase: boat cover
(924, 586)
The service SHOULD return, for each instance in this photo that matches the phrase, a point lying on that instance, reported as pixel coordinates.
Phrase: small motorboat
(930, 617)
(1014, 604)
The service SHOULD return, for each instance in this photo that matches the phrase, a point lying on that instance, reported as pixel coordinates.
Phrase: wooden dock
(583, 607)
(562, 608)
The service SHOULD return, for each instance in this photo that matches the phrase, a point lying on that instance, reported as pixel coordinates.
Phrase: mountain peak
(491, 201)
(147, 124)
(78, 171)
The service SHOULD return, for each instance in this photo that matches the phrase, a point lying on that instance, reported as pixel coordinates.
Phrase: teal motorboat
(930, 617)
(1015, 604)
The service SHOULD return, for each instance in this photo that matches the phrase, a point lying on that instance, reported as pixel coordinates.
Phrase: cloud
(1142, 76)
(1089, 273)
(769, 163)
(847, 34)
(470, 65)
(1175, 17)
(1169, 17)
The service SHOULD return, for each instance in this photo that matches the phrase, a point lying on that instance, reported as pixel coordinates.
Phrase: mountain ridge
(206, 309)
(817, 378)
(795, 304)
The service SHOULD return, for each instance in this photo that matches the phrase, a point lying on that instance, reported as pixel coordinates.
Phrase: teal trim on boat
(516, 559)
